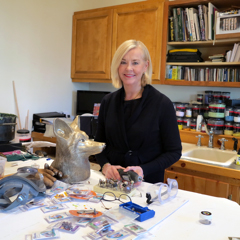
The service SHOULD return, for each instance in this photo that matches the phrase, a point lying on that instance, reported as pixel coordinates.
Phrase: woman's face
(132, 67)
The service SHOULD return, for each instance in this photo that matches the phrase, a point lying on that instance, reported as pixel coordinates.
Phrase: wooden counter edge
(207, 168)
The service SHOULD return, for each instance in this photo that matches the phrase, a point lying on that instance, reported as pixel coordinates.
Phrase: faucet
(199, 144)
(210, 141)
(223, 140)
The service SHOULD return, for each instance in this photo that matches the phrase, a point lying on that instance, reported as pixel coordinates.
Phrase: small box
(143, 212)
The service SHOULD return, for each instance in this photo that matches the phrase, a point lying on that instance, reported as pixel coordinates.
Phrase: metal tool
(129, 176)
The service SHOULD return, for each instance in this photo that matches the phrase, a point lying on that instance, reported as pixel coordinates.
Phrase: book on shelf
(211, 20)
(191, 16)
(188, 24)
(171, 30)
(174, 72)
(197, 28)
(201, 22)
(180, 24)
(175, 24)
(235, 49)
(205, 15)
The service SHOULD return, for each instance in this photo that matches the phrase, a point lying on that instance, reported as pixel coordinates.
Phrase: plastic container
(217, 124)
(208, 97)
(216, 109)
(180, 110)
(200, 98)
(23, 135)
(236, 129)
(174, 104)
(236, 112)
(195, 110)
(7, 127)
(193, 124)
(217, 95)
(228, 129)
(225, 96)
(180, 123)
(186, 123)
(188, 111)
(204, 111)
(229, 114)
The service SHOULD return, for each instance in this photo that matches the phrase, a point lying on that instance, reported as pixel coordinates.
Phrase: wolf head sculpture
(73, 149)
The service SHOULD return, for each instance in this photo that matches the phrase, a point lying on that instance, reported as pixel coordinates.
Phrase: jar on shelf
(180, 110)
(236, 112)
(186, 123)
(236, 129)
(200, 98)
(188, 111)
(217, 95)
(229, 114)
(174, 104)
(23, 135)
(180, 123)
(217, 124)
(216, 109)
(193, 124)
(225, 96)
(204, 111)
(228, 128)
(208, 97)
(195, 110)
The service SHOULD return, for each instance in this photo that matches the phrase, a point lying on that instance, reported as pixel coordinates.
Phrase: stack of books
(217, 58)
(234, 54)
(193, 24)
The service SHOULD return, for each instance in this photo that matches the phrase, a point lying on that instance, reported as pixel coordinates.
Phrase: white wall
(35, 53)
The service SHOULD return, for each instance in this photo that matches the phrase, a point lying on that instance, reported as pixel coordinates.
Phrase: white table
(181, 224)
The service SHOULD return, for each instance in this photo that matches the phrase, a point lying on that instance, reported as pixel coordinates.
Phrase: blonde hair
(117, 58)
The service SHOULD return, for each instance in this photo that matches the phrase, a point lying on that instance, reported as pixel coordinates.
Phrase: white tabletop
(177, 219)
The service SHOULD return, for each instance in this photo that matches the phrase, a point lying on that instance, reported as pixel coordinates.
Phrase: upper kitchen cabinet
(98, 33)
(141, 21)
(91, 45)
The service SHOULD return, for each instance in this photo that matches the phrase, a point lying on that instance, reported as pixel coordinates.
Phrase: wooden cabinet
(207, 48)
(206, 179)
(98, 33)
(141, 21)
(91, 45)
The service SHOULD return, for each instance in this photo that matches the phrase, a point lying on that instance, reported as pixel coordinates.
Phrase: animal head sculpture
(73, 149)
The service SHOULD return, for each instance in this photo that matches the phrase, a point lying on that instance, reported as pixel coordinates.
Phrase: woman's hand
(137, 170)
(111, 172)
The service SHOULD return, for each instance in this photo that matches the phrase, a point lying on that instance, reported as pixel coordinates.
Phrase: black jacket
(150, 140)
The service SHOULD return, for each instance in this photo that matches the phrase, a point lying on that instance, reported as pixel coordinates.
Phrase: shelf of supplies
(206, 64)
(210, 43)
(201, 83)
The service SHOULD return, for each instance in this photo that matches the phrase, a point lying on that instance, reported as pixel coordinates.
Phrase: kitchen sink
(208, 155)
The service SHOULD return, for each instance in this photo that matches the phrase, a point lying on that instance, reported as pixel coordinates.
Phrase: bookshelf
(207, 48)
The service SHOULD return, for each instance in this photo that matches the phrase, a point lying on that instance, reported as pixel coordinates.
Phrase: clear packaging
(217, 124)
(216, 109)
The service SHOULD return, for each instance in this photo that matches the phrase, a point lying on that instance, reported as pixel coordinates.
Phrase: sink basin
(209, 155)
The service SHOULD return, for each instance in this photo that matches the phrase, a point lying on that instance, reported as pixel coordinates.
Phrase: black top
(145, 136)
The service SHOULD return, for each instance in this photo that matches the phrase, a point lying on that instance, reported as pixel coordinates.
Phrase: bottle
(238, 157)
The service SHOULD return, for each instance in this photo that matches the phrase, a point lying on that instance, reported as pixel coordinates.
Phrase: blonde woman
(137, 122)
